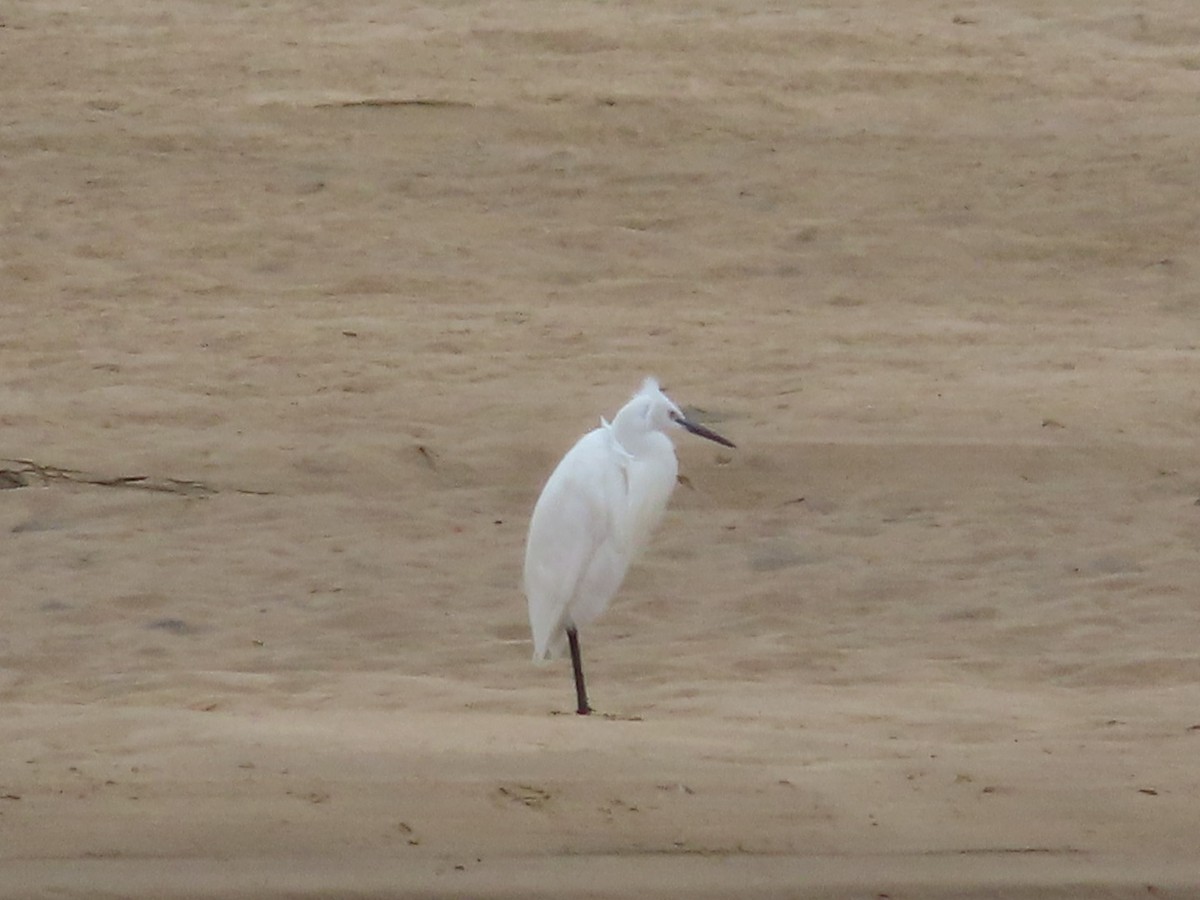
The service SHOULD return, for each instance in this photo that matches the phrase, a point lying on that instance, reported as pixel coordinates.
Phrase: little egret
(595, 514)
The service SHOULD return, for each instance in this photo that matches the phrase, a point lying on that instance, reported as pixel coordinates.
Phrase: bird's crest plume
(650, 385)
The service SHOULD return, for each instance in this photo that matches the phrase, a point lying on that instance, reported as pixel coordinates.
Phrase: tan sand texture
(301, 301)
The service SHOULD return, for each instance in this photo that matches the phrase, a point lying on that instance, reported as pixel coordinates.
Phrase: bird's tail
(554, 647)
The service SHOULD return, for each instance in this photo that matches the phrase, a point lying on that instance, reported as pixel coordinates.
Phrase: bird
(596, 512)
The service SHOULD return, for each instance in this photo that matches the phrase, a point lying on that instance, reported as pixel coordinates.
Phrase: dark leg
(577, 664)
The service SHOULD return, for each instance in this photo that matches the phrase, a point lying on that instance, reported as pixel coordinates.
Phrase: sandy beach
(300, 303)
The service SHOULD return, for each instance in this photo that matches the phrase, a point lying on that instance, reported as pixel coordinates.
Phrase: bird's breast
(650, 479)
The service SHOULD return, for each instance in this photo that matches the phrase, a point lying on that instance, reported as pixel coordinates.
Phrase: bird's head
(655, 411)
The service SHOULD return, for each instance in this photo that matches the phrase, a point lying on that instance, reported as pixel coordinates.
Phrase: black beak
(697, 429)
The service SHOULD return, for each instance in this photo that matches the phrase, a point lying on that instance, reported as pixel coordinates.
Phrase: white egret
(594, 515)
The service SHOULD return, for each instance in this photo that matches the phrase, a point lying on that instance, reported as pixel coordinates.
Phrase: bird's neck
(631, 433)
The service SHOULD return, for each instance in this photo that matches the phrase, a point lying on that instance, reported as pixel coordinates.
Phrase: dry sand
(340, 282)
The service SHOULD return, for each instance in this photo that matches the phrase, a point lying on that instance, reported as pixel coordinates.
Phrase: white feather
(596, 513)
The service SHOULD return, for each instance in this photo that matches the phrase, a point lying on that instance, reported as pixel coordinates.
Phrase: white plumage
(595, 514)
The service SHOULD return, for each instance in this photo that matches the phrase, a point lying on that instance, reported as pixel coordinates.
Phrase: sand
(301, 301)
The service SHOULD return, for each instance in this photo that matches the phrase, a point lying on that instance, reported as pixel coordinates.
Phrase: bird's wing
(572, 533)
